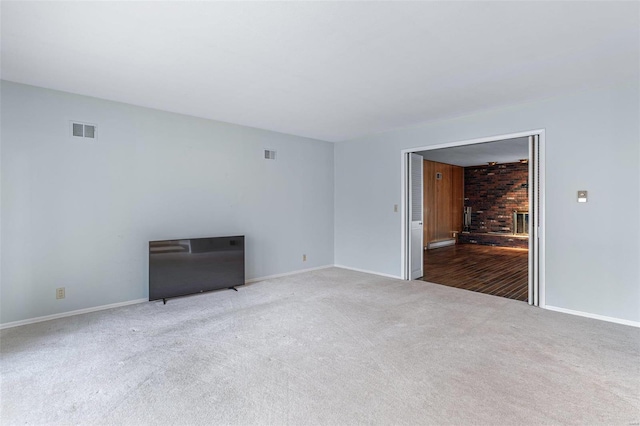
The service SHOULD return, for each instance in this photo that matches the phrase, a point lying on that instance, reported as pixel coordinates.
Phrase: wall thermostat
(582, 196)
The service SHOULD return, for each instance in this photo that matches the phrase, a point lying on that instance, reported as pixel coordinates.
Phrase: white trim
(541, 219)
(533, 221)
(594, 316)
(286, 274)
(474, 141)
(368, 272)
(130, 302)
(404, 215)
(71, 313)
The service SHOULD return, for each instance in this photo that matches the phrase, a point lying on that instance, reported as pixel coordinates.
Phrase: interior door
(415, 216)
(534, 220)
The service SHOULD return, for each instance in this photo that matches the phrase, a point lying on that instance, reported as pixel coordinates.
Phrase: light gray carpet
(326, 347)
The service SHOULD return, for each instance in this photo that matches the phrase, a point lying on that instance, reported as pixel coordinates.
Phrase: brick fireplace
(498, 196)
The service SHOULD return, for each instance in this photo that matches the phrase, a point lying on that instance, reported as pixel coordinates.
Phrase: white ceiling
(327, 70)
(504, 151)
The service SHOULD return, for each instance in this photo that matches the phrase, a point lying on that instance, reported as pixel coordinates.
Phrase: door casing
(537, 167)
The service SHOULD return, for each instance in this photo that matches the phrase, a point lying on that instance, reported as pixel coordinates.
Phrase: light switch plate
(582, 196)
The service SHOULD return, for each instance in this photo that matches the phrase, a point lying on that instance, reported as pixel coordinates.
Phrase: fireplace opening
(520, 223)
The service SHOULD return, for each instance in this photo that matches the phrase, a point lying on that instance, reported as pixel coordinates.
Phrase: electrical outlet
(304, 257)
(60, 293)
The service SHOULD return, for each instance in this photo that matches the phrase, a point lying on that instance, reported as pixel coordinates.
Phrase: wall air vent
(84, 130)
(269, 154)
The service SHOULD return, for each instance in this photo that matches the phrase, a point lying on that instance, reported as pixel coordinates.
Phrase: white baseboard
(286, 274)
(252, 280)
(368, 272)
(130, 302)
(70, 313)
(594, 316)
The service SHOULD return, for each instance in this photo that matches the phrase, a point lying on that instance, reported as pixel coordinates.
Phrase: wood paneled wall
(443, 201)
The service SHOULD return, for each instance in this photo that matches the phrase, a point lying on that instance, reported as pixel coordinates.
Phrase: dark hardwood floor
(492, 270)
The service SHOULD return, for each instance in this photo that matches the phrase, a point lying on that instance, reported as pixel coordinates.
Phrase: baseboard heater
(441, 243)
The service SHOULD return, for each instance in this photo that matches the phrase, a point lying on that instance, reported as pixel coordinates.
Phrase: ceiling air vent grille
(269, 154)
(84, 130)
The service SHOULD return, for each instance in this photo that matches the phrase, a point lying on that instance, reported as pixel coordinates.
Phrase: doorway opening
(473, 215)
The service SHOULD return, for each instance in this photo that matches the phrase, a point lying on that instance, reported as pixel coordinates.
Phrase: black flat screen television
(187, 266)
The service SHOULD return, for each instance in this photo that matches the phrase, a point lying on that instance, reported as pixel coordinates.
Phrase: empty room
(219, 213)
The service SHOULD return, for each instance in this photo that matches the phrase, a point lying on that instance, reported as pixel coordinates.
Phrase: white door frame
(404, 229)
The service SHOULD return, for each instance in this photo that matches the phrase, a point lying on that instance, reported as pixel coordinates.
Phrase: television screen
(187, 266)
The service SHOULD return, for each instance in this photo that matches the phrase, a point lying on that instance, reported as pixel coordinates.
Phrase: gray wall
(79, 214)
(592, 142)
